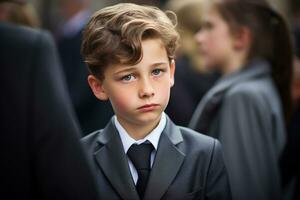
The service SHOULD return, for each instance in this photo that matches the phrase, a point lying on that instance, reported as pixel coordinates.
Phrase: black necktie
(140, 157)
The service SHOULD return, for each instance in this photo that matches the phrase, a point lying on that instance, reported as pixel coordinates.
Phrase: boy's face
(138, 93)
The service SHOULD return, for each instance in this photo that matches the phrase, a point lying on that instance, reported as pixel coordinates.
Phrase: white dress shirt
(152, 137)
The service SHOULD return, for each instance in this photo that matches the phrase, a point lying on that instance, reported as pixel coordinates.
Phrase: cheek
(218, 45)
(211, 47)
(216, 41)
(163, 89)
(121, 100)
(215, 52)
(210, 44)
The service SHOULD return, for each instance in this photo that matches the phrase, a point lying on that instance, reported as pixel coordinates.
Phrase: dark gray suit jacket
(188, 165)
(40, 153)
(248, 121)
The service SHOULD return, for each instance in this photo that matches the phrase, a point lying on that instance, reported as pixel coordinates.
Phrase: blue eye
(128, 78)
(157, 72)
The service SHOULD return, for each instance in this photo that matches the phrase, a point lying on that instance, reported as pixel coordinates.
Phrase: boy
(141, 154)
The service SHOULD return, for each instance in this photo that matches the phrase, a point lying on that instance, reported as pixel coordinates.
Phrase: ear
(97, 88)
(242, 38)
(172, 72)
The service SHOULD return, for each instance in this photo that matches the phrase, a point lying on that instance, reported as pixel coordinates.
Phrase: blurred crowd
(194, 83)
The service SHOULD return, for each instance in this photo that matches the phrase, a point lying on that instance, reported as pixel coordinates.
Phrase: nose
(146, 89)
(199, 36)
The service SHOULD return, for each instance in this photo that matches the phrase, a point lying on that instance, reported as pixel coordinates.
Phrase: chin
(208, 65)
(148, 117)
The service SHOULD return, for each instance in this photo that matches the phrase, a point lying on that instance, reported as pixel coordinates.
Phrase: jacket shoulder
(89, 141)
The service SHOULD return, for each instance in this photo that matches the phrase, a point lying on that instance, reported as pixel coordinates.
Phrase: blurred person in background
(249, 107)
(91, 113)
(19, 12)
(289, 162)
(40, 152)
(192, 80)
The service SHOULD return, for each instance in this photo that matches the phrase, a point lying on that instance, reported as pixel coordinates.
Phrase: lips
(148, 107)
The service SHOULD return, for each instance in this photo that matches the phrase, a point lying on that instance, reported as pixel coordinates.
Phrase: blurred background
(65, 20)
(50, 11)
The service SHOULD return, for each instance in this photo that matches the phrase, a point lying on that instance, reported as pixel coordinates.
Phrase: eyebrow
(130, 68)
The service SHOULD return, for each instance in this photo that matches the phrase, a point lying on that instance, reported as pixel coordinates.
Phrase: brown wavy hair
(114, 35)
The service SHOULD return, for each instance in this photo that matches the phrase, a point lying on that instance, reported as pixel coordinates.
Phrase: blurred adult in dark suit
(40, 154)
(91, 113)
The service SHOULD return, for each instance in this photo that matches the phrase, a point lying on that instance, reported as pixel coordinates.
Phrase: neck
(235, 63)
(138, 131)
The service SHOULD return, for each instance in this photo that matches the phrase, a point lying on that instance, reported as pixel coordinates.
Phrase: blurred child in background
(249, 43)
(192, 79)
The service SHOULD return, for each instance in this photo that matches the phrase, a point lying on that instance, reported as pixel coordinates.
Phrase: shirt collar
(152, 137)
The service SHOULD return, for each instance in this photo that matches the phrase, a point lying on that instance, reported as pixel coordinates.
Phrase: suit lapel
(167, 162)
(113, 162)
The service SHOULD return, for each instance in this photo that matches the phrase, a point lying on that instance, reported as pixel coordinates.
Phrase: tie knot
(140, 155)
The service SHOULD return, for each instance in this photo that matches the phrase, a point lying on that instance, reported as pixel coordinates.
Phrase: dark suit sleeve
(217, 180)
(59, 164)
